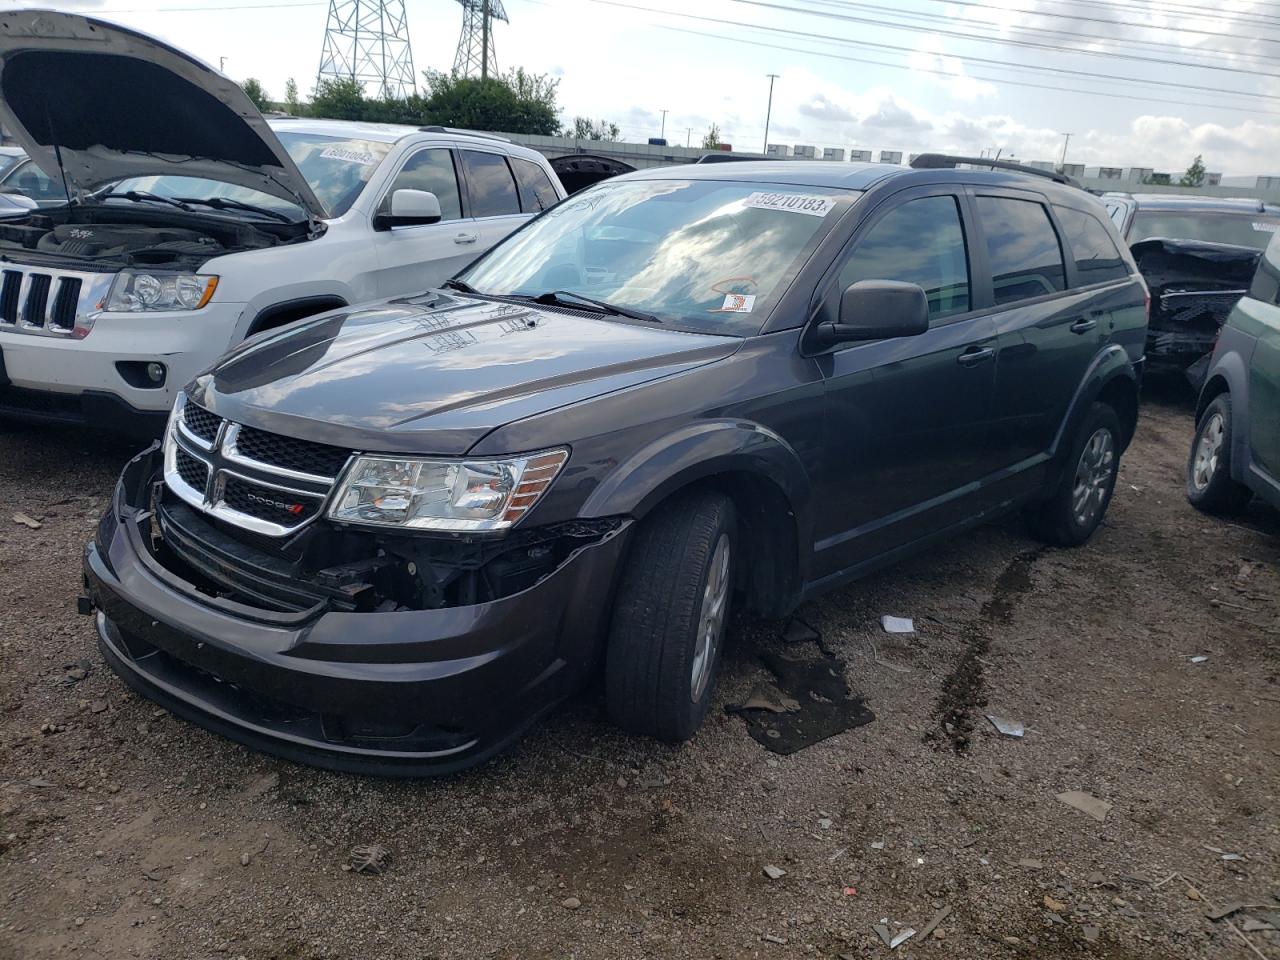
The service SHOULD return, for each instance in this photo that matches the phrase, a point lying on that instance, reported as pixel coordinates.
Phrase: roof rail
(436, 128)
(943, 161)
(725, 157)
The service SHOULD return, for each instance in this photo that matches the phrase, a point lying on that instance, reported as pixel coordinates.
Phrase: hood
(434, 374)
(1198, 264)
(112, 103)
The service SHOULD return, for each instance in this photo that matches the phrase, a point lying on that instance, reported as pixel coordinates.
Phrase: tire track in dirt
(964, 691)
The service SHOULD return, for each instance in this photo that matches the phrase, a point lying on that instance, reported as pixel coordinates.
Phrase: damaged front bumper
(406, 692)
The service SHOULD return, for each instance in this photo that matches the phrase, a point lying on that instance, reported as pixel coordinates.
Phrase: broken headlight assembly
(445, 495)
(135, 292)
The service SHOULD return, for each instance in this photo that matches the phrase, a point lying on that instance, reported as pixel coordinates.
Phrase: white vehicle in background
(194, 223)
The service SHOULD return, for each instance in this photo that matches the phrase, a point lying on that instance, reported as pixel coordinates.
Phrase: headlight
(444, 494)
(141, 292)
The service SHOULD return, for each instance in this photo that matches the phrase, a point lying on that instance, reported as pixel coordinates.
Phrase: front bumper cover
(407, 693)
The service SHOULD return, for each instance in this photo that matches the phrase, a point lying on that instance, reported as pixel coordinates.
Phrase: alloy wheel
(1093, 477)
(715, 602)
(1208, 450)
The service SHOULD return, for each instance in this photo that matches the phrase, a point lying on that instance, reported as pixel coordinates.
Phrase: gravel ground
(127, 833)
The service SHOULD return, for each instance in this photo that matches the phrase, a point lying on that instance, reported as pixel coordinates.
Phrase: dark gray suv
(390, 538)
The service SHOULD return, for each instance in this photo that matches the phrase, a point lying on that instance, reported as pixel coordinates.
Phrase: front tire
(1076, 509)
(1209, 484)
(669, 617)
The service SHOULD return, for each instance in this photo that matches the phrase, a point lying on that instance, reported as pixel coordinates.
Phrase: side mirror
(408, 208)
(877, 310)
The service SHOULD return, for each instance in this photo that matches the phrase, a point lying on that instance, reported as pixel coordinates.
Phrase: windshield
(10, 160)
(706, 255)
(336, 168)
(1242, 229)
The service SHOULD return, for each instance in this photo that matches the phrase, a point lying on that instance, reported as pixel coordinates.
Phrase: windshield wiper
(222, 203)
(138, 196)
(564, 298)
(460, 285)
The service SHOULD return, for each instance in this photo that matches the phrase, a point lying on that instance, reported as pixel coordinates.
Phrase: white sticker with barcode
(347, 155)
(813, 205)
(738, 303)
(1266, 227)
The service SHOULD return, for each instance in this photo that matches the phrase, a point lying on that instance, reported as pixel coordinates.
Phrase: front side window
(920, 242)
(703, 255)
(1096, 255)
(493, 192)
(432, 171)
(1022, 248)
(536, 191)
(1241, 229)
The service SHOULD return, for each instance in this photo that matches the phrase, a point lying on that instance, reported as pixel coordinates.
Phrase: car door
(1047, 335)
(906, 419)
(1264, 373)
(493, 199)
(418, 257)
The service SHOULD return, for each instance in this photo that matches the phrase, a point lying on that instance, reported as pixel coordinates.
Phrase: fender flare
(1231, 370)
(702, 451)
(1111, 364)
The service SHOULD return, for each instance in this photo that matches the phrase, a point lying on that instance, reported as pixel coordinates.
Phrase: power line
(1091, 38)
(997, 64)
(1057, 48)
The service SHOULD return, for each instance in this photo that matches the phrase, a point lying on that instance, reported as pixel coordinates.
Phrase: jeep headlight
(451, 495)
(135, 292)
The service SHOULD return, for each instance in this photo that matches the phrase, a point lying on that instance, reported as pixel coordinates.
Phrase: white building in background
(860, 156)
(891, 156)
(804, 152)
(778, 150)
(833, 153)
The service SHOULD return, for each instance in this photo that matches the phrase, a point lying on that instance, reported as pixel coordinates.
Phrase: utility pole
(1066, 138)
(222, 64)
(688, 141)
(768, 112)
(484, 41)
(663, 134)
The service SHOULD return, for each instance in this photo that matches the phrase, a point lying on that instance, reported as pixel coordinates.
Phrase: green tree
(516, 102)
(584, 128)
(339, 99)
(253, 90)
(1194, 177)
(711, 141)
(291, 101)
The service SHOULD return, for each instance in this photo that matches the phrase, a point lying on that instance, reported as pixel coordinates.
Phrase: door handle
(1084, 325)
(465, 238)
(974, 356)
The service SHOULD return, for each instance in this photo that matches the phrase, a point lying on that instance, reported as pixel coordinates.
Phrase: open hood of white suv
(105, 103)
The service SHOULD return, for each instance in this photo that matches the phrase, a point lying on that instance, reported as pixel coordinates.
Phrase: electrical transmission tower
(368, 41)
(475, 46)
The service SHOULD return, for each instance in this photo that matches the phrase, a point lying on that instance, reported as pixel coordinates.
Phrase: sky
(1148, 83)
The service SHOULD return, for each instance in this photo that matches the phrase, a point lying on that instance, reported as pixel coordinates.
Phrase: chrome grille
(61, 303)
(208, 466)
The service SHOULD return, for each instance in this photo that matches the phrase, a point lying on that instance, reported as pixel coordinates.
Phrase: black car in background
(391, 537)
(1197, 255)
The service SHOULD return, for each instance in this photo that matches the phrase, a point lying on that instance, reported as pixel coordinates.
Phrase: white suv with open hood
(193, 222)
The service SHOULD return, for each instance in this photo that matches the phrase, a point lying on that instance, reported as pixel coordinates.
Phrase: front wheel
(1209, 484)
(669, 617)
(1076, 509)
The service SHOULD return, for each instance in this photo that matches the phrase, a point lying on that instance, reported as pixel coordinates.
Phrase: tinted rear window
(1244, 229)
(536, 191)
(1022, 249)
(1097, 257)
(493, 192)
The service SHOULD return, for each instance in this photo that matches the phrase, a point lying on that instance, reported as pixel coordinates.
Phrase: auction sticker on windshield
(349, 156)
(811, 204)
(1265, 227)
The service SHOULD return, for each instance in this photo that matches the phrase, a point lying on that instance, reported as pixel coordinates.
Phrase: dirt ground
(127, 833)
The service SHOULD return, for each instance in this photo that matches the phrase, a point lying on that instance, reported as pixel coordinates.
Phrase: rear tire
(669, 617)
(1077, 507)
(1209, 484)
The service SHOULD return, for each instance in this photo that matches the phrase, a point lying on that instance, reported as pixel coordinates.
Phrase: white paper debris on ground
(23, 520)
(1010, 728)
(1086, 803)
(893, 940)
(897, 624)
(774, 873)
(1197, 659)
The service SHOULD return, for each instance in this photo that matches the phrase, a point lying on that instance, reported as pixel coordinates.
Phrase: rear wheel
(1076, 509)
(669, 617)
(1209, 484)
